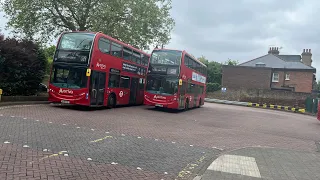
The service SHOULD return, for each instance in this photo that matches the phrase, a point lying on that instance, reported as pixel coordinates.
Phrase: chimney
(306, 57)
(274, 50)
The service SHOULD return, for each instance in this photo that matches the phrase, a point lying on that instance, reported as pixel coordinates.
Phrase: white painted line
(107, 132)
(6, 142)
(24, 118)
(114, 163)
(191, 145)
(63, 124)
(139, 137)
(123, 135)
(45, 150)
(66, 155)
(234, 164)
(78, 127)
(25, 146)
(89, 159)
(156, 139)
(12, 116)
(139, 168)
(173, 142)
(165, 173)
(92, 129)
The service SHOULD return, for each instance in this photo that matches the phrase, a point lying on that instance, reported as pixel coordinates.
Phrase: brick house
(272, 71)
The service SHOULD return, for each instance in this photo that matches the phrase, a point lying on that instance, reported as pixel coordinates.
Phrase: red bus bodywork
(190, 93)
(108, 74)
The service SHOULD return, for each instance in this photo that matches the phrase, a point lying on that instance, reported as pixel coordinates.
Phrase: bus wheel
(186, 106)
(111, 101)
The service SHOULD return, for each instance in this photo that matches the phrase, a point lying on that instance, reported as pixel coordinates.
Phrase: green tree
(140, 23)
(231, 62)
(49, 53)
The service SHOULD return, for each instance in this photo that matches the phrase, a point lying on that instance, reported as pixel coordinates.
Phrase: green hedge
(22, 66)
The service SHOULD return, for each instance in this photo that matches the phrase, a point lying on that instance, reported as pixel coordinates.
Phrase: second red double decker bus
(175, 80)
(93, 69)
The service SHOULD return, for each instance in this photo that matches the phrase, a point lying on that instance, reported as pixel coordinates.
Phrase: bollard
(318, 113)
(0, 94)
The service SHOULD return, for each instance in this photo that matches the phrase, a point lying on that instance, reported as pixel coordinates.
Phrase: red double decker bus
(93, 69)
(175, 80)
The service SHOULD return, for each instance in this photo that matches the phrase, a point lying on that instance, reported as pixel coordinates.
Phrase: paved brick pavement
(139, 142)
(272, 164)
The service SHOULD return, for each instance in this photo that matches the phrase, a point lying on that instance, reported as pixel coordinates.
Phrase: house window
(287, 77)
(275, 77)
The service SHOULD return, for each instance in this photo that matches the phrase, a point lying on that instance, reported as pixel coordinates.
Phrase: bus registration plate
(65, 102)
(159, 105)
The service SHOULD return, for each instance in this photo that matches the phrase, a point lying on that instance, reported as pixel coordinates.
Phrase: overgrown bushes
(211, 87)
(22, 66)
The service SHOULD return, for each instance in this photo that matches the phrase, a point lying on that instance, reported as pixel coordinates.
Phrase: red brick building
(272, 71)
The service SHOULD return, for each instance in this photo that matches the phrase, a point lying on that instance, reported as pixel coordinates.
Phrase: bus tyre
(111, 101)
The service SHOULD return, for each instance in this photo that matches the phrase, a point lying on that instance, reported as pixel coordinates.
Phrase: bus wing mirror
(180, 82)
(88, 72)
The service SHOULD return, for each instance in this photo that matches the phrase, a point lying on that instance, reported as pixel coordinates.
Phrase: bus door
(123, 96)
(182, 93)
(97, 87)
(133, 90)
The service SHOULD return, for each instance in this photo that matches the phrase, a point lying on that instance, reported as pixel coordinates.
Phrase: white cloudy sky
(243, 29)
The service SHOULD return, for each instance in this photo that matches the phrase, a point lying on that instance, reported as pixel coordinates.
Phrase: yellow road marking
(185, 171)
(101, 139)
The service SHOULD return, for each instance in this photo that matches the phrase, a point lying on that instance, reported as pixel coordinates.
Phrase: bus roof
(183, 51)
(110, 38)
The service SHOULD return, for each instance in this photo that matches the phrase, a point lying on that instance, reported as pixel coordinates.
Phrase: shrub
(211, 87)
(22, 66)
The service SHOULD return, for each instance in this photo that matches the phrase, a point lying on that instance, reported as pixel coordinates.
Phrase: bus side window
(104, 45)
(116, 50)
(145, 60)
(124, 82)
(136, 57)
(127, 53)
(114, 80)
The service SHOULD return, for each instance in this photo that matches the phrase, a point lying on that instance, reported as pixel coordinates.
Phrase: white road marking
(66, 155)
(63, 124)
(92, 129)
(24, 118)
(89, 159)
(78, 127)
(12, 116)
(25, 146)
(114, 163)
(6, 142)
(234, 164)
(191, 145)
(139, 168)
(45, 150)
(139, 137)
(107, 132)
